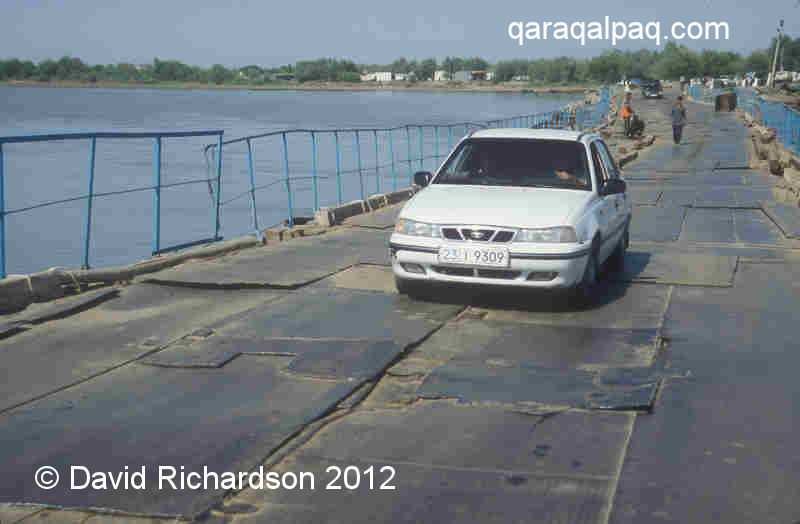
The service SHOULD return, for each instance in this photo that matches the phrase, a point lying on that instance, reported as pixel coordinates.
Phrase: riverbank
(457, 87)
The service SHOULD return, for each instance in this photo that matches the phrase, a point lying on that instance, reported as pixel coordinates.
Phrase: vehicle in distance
(536, 208)
(652, 89)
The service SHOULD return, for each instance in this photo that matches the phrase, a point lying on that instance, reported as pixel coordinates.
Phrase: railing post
(338, 167)
(421, 153)
(391, 154)
(435, 146)
(219, 187)
(314, 170)
(449, 138)
(157, 195)
(358, 165)
(2, 219)
(787, 127)
(88, 229)
(410, 163)
(377, 163)
(797, 138)
(252, 170)
(288, 183)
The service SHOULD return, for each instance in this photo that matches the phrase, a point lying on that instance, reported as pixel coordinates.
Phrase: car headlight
(561, 234)
(420, 229)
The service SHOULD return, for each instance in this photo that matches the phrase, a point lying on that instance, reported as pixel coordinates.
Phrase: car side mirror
(422, 178)
(613, 187)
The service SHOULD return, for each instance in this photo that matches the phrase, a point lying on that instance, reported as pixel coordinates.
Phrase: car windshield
(519, 162)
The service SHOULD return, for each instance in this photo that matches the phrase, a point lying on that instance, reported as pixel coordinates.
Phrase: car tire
(585, 290)
(616, 262)
(407, 287)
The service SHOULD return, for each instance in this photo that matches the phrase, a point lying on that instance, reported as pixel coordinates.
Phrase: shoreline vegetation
(451, 74)
(426, 86)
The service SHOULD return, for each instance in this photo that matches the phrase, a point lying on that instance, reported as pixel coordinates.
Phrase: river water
(122, 229)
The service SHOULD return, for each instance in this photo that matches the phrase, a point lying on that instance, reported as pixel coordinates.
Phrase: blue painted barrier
(92, 195)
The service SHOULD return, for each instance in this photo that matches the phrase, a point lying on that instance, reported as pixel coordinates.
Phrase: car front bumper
(531, 269)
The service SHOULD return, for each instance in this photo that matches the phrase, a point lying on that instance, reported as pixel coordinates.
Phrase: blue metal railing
(92, 194)
(293, 171)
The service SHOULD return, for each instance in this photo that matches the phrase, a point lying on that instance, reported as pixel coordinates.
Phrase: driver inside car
(568, 173)
(486, 165)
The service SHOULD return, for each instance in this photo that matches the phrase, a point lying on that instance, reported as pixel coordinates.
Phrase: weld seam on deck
(534, 474)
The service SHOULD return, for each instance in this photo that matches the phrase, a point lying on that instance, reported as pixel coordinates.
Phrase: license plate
(474, 256)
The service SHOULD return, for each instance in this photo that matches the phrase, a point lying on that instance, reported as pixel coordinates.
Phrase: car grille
(451, 233)
(503, 274)
(477, 234)
(455, 271)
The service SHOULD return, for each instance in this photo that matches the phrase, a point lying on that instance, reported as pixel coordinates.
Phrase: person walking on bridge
(678, 120)
(626, 112)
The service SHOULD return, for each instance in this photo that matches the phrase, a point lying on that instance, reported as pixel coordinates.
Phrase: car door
(606, 212)
(619, 201)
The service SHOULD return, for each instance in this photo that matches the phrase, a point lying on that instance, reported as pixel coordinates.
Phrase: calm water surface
(123, 225)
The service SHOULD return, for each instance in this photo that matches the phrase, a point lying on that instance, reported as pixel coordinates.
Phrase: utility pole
(775, 58)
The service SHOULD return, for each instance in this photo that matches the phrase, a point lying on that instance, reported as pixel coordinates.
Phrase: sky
(269, 33)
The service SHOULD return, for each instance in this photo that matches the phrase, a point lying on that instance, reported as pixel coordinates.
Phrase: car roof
(532, 134)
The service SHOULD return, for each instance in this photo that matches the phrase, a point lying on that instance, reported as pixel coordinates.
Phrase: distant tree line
(327, 69)
(672, 62)
(69, 68)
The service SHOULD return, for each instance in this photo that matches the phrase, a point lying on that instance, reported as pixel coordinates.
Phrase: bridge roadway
(670, 399)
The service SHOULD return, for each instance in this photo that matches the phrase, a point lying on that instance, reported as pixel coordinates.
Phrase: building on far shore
(470, 76)
(440, 76)
(784, 76)
(379, 76)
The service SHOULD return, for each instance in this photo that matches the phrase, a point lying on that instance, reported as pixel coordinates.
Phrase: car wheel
(616, 262)
(588, 284)
(407, 287)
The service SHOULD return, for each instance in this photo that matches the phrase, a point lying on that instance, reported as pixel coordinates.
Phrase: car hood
(495, 206)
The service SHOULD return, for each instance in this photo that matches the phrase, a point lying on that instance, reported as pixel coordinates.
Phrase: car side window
(608, 160)
(599, 166)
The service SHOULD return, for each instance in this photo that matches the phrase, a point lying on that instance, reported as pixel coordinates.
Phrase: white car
(534, 208)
